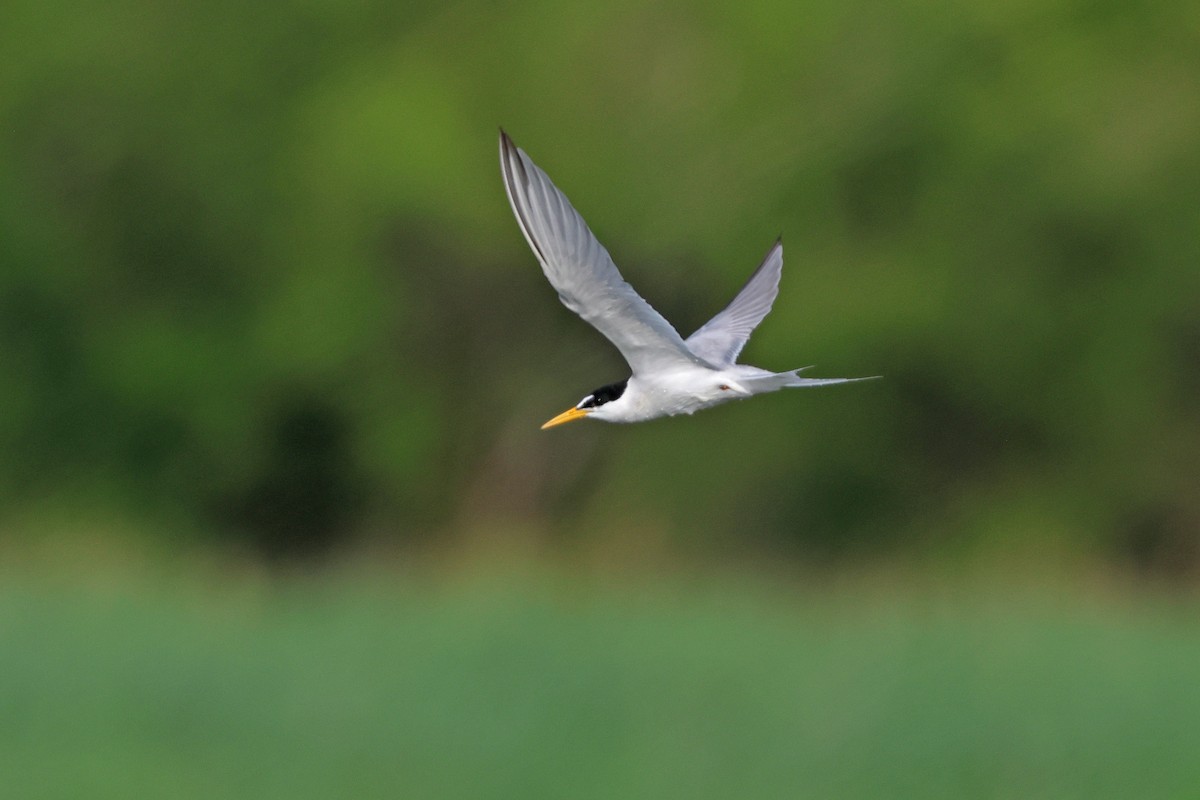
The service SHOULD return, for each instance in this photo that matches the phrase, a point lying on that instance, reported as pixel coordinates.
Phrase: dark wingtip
(508, 155)
(506, 143)
(778, 245)
(512, 167)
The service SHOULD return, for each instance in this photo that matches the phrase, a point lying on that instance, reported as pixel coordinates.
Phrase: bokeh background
(276, 517)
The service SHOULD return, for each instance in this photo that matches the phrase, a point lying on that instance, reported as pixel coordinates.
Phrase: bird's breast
(675, 393)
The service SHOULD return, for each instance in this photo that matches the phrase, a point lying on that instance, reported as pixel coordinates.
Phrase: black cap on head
(605, 394)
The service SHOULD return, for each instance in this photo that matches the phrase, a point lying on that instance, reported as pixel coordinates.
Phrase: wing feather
(583, 273)
(721, 339)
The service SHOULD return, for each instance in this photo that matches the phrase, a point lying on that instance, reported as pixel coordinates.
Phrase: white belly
(679, 393)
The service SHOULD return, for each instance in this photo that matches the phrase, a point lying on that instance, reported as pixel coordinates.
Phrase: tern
(670, 375)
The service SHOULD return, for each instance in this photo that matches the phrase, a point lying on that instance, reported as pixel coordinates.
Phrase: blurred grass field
(528, 682)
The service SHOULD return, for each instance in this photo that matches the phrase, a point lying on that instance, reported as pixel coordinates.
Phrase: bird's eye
(724, 387)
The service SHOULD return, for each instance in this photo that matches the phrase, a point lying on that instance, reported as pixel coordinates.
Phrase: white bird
(671, 375)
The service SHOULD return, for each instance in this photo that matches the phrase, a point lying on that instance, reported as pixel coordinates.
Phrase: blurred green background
(276, 518)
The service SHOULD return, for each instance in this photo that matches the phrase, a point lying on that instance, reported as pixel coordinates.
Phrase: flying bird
(671, 375)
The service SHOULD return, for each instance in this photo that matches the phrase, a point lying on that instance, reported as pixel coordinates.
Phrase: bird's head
(593, 404)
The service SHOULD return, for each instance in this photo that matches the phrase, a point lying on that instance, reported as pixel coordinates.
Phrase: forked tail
(782, 380)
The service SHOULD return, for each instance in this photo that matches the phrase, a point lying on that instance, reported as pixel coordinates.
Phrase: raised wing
(719, 340)
(583, 273)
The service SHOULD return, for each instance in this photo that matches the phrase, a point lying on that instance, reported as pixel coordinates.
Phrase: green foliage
(530, 686)
(257, 273)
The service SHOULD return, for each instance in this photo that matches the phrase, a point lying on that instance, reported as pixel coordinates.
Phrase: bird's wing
(583, 273)
(720, 339)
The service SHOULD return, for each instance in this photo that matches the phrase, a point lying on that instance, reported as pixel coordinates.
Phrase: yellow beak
(567, 416)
